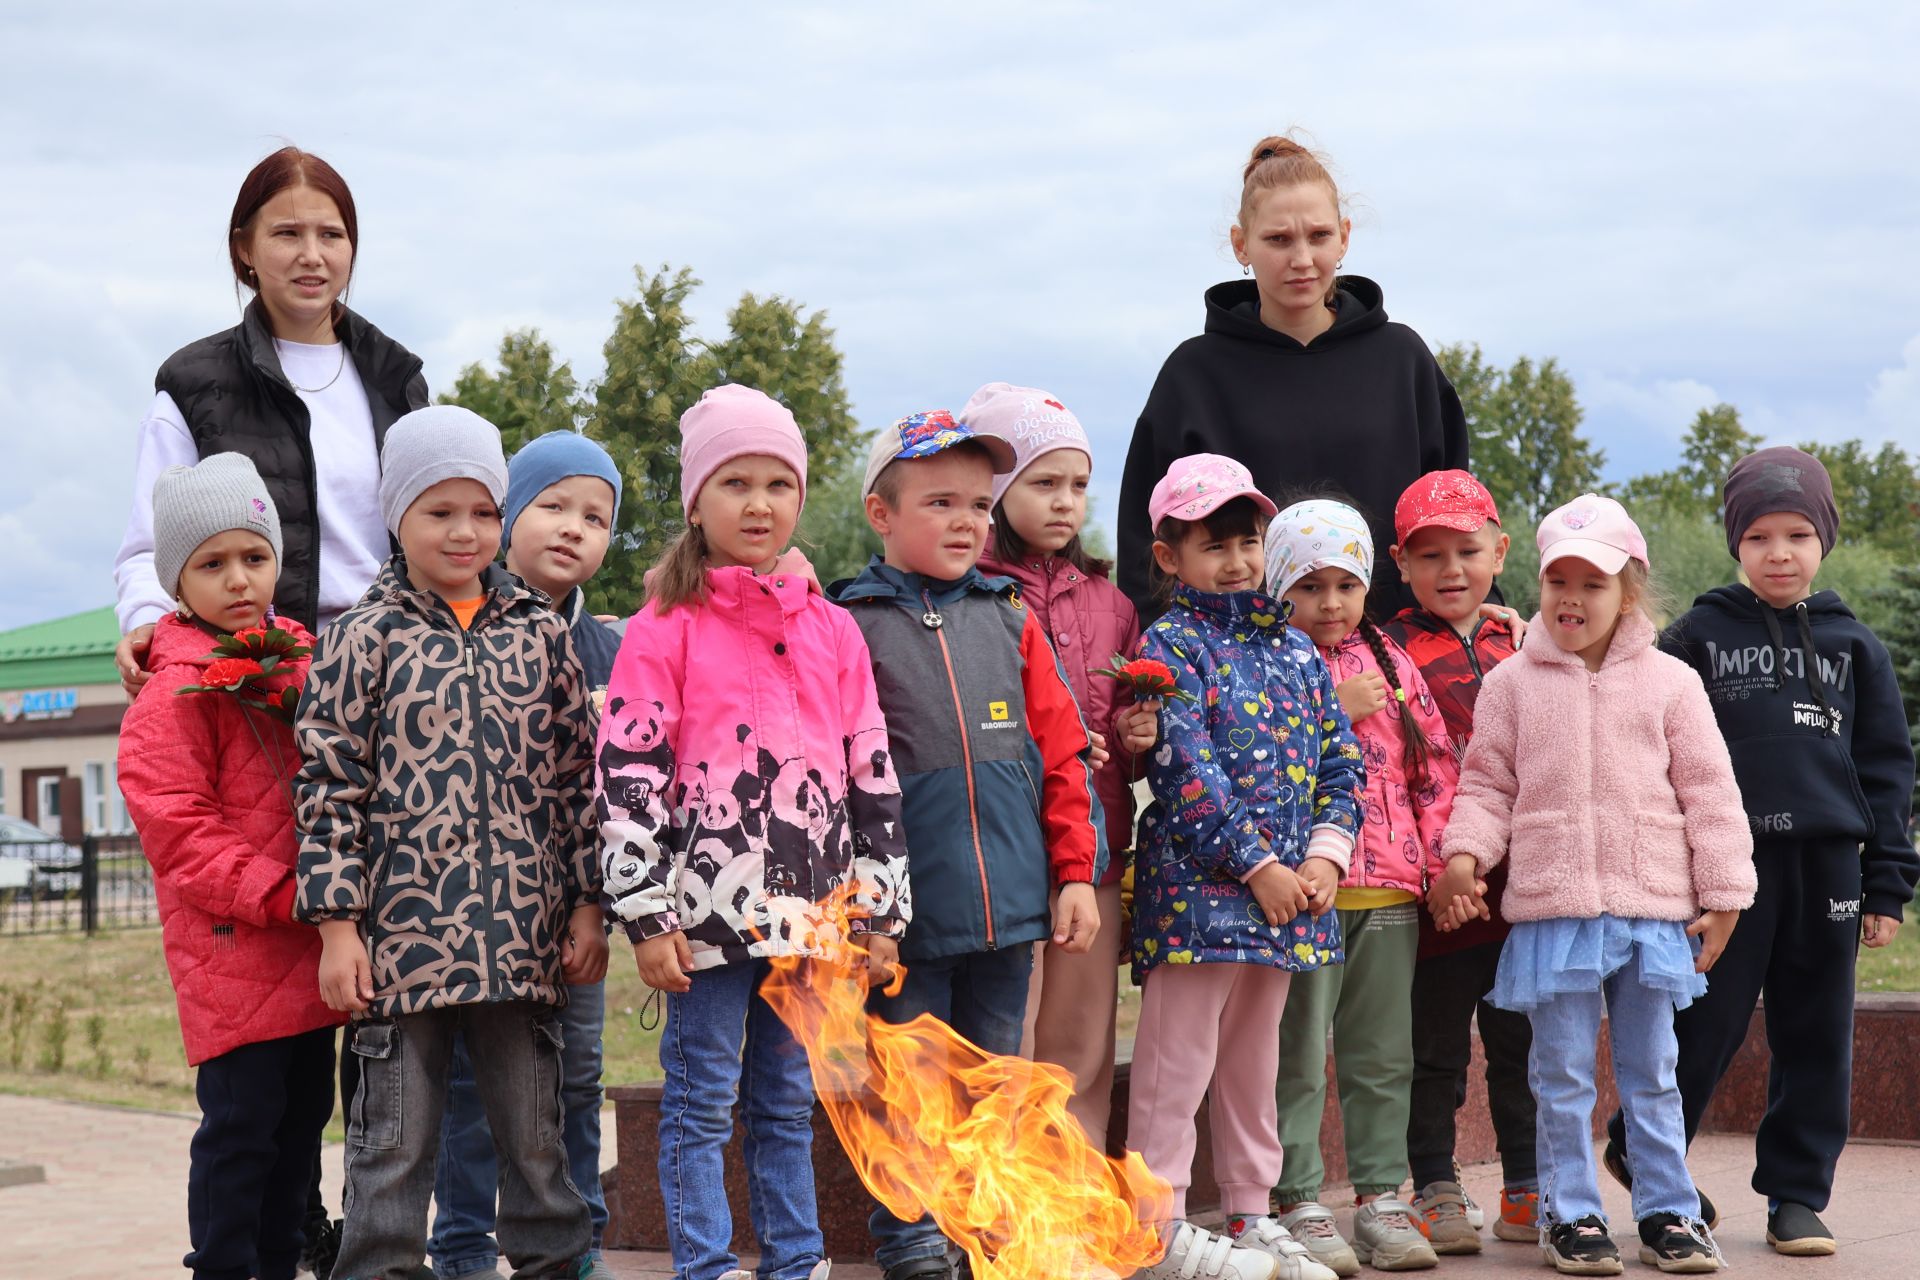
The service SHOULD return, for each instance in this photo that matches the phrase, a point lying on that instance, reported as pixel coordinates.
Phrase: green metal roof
(77, 649)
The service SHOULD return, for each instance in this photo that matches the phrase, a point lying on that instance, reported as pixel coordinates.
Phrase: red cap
(1447, 499)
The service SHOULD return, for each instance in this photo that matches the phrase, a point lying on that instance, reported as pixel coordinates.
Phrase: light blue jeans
(1645, 1053)
(721, 1041)
(466, 1179)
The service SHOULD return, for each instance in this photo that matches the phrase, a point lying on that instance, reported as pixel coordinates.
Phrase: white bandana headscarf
(1316, 535)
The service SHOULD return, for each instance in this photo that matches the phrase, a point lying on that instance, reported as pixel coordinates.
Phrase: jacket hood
(1737, 600)
(1233, 310)
(1634, 635)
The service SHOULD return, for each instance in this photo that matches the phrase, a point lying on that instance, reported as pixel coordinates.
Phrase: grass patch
(1894, 967)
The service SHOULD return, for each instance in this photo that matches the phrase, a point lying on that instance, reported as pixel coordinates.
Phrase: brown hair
(1236, 519)
(679, 576)
(1416, 751)
(1011, 546)
(1281, 161)
(287, 167)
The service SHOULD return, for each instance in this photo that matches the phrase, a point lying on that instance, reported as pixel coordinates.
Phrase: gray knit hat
(191, 504)
(439, 442)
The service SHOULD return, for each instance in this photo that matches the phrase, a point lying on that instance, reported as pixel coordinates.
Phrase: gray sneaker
(1312, 1224)
(1193, 1254)
(1443, 1218)
(1385, 1238)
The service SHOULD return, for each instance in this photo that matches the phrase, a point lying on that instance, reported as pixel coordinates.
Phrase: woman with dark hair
(306, 389)
(302, 386)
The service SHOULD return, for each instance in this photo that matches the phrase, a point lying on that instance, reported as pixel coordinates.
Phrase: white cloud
(1894, 402)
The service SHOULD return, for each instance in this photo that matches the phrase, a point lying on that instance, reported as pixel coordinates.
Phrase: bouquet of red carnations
(1147, 677)
(246, 665)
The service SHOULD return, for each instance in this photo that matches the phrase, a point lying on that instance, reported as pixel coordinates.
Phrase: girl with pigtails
(745, 780)
(1320, 562)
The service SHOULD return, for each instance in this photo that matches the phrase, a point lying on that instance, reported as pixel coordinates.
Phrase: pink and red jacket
(1606, 791)
(745, 775)
(1402, 825)
(1088, 621)
(209, 795)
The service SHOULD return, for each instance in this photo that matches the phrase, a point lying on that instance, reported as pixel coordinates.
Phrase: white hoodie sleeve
(164, 442)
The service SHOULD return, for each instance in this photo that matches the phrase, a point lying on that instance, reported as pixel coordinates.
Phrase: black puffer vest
(235, 399)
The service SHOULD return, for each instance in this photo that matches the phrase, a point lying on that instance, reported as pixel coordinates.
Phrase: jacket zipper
(1593, 774)
(966, 756)
(484, 853)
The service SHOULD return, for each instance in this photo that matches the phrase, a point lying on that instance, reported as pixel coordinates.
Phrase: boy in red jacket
(206, 779)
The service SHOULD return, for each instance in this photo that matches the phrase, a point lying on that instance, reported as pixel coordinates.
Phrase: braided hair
(1416, 754)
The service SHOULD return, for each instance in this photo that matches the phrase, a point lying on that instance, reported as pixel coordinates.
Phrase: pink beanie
(736, 422)
(1029, 419)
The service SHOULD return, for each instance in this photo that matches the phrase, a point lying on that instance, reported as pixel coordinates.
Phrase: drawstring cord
(1814, 678)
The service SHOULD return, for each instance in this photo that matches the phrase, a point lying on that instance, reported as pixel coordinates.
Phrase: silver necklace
(338, 370)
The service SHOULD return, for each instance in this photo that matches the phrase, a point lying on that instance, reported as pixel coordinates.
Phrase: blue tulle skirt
(1546, 958)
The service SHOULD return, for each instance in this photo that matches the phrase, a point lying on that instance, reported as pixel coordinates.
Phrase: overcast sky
(1683, 203)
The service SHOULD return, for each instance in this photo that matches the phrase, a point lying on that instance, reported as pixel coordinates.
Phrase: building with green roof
(60, 710)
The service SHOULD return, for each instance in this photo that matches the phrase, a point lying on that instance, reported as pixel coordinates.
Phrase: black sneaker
(1581, 1248)
(1614, 1161)
(1795, 1230)
(1673, 1243)
(935, 1268)
(322, 1246)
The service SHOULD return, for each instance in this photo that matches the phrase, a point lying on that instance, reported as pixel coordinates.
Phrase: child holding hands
(1597, 774)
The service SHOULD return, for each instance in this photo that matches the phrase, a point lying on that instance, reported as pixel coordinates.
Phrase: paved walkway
(113, 1204)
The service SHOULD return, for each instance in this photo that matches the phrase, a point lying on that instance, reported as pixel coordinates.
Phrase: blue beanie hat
(547, 460)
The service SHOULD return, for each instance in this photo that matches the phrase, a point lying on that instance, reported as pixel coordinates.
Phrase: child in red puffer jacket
(206, 759)
(1038, 509)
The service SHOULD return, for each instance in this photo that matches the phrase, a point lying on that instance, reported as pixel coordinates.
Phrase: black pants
(1448, 994)
(262, 1107)
(349, 1085)
(1797, 944)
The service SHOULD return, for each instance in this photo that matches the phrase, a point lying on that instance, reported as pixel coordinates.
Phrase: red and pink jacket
(1088, 621)
(207, 783)
(1402, 824)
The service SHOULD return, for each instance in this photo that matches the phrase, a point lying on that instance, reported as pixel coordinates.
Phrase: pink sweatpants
(1194, 1019)
(1072, 1006)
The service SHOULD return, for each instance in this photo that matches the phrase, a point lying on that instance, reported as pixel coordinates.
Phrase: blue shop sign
(39, 704)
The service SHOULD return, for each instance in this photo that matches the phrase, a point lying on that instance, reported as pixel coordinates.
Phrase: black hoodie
(1364, 407)
(1821, 749)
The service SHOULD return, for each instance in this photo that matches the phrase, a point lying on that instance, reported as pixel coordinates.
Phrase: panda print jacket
(745, 778)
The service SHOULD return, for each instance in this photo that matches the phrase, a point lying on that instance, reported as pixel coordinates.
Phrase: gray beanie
(191, 504)
(439, 442)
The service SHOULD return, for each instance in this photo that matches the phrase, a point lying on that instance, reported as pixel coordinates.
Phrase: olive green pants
(1368, 1002)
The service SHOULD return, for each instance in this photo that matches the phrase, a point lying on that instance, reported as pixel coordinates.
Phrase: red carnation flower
(1147, 677)
(230, 673)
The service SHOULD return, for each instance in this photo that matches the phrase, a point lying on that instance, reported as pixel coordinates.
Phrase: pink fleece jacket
(1609, 791)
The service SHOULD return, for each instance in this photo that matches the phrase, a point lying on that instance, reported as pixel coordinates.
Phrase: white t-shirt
(353, 536)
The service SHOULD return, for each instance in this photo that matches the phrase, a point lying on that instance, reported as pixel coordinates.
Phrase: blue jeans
(1645, 1054)
(467, 1177)
(983, 996)
(722, 1040)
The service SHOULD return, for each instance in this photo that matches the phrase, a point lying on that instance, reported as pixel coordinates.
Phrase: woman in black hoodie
(1299, 375)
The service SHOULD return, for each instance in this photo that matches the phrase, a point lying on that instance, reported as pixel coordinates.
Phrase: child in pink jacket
(745, 779)
(1319, 557)
(1598, 773)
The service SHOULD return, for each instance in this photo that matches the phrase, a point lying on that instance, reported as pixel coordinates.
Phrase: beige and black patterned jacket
(444, 797)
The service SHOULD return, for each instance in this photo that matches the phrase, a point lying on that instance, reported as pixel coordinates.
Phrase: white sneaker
(1193, 1254)
(1268, 1236)
(1312, 1224)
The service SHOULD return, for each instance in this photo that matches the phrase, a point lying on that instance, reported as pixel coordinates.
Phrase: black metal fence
(54, 886)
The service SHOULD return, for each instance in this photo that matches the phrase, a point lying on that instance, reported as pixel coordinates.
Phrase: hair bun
(1276, 145)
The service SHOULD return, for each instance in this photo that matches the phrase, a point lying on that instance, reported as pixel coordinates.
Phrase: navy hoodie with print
(1820, 748)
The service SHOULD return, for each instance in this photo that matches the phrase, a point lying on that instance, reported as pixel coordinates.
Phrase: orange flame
(982, 1142)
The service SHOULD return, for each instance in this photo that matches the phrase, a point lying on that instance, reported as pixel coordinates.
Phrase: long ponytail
(1416, 752)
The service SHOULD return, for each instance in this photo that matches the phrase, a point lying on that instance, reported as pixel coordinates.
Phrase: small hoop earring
(180, 609)
(1246, 268)
(1340, 264)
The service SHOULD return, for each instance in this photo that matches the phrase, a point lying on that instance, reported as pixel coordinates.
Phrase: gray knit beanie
(439, 442)
(191, 504)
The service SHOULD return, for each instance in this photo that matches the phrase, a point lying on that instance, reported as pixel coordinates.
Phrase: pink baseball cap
(1201, 483)
(1027, 418)
(1596, 529)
